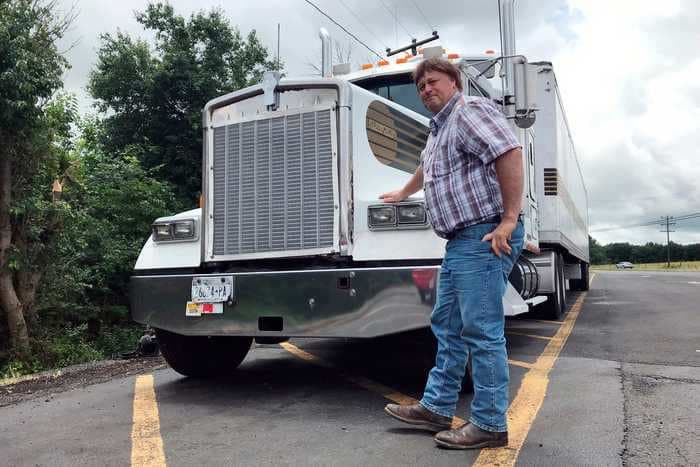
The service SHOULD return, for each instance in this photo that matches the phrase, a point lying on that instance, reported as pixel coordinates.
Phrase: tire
(562, 284)
(580, 284)
(203, 356)
(553, 307)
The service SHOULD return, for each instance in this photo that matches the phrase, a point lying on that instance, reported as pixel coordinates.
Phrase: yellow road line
(546, 321)
(146, 442)
(530, 396)
(534, 336)
(520, 363)
(361, 381)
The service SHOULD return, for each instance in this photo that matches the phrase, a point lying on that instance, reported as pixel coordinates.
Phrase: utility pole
(668, 223)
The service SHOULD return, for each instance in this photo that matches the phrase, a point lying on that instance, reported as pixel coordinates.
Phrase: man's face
(435, 89)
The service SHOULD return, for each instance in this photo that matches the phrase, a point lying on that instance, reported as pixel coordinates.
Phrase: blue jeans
(468, 319)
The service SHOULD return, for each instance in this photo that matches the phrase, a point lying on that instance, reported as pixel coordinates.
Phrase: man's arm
(414, 184)
(509, 170)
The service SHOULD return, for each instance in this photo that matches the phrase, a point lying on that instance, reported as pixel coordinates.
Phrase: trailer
(291, 239)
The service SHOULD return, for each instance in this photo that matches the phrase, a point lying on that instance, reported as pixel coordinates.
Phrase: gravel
(46, 384)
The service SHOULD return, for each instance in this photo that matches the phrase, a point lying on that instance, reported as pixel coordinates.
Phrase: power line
(425, 18)
(343, 28)
(628, 226)
(688, 216)
(359, 20)
(648, 223)
(396, 18)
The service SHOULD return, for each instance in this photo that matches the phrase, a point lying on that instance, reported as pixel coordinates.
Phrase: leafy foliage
(114, 202)
(155, 96)
(30, 64)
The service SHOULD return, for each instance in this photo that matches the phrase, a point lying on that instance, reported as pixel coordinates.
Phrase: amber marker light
(366, 66)
(451, 56)
(382, 63)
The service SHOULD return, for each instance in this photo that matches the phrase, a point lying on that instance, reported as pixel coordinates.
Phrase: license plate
(212, 289)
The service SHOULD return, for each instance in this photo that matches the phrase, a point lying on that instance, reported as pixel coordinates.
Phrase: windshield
(396, 88)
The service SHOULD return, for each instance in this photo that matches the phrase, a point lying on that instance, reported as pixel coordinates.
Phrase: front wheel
(203, 356)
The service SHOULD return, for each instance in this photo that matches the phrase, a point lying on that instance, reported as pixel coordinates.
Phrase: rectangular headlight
(162, 232)
(381, 216)
(412, 214)
(183, 229)
(175, 230)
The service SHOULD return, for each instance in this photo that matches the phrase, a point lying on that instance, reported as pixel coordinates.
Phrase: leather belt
(488, 220)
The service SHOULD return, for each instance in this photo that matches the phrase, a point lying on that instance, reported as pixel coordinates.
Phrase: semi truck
(291, 239)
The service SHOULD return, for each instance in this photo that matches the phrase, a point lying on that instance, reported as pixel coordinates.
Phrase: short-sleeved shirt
(459, 170)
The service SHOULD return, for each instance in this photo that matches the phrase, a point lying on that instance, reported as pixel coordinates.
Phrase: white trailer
(292, 241)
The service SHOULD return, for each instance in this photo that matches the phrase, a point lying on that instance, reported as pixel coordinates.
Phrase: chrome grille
(273, 185)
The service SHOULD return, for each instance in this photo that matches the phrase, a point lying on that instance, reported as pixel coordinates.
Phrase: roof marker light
(451, 56)
(366, 66)
(382, 63)
(401, 60)
(489, 52)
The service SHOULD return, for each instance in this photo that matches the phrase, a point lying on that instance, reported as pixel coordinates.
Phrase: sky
(627, 71)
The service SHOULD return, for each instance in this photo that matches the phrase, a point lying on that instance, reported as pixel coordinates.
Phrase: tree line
(78, 193)
(648, 253)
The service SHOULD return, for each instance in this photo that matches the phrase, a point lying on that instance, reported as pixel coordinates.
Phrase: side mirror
(525, 92)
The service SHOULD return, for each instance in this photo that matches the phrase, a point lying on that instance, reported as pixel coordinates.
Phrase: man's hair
(437, 64)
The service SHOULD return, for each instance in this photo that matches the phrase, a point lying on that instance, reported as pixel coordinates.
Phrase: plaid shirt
(459, 174)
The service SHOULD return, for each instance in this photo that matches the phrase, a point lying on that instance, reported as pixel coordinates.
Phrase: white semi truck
(291, 239)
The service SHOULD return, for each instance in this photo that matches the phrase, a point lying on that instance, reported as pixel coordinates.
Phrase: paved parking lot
(621, 388)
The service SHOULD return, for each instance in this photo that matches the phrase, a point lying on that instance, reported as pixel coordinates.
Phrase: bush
(70, 345)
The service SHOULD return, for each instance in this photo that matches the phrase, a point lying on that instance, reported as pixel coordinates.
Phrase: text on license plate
(212, 289)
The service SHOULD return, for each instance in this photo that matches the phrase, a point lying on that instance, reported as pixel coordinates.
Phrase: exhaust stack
(507, 8)
(326, 65)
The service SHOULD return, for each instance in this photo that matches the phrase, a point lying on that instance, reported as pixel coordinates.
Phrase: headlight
(174, 230)
(409, 215)
(183, 229)
(382, 216)
(162, 232)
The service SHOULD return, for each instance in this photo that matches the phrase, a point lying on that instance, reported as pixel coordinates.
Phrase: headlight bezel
(171, 226)
(398, 224)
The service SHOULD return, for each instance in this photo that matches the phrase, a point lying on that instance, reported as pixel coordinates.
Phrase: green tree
(597, 251)
(114, 202)
(154, 98)
(33, 134)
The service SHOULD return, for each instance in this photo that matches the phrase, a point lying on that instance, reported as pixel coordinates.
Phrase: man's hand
(393, 196)
(500, 236)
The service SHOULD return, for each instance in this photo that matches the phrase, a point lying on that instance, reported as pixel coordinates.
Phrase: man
(472, 173)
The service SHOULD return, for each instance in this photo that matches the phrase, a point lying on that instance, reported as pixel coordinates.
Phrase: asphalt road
(625, 390)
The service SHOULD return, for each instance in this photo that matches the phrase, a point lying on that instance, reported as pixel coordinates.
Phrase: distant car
(624, 265)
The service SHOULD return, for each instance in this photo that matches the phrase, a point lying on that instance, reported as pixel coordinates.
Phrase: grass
(675, 266)
(70, 345)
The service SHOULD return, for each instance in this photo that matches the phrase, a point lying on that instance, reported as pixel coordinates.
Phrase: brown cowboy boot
(470, 436)
(416, 414)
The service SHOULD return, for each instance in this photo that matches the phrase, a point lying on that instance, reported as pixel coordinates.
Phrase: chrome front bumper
(320, 303)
